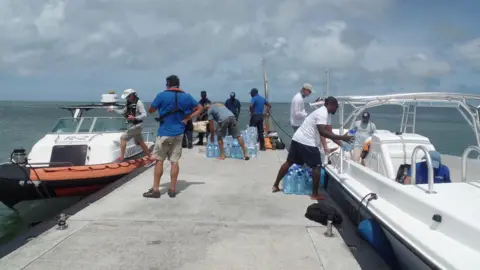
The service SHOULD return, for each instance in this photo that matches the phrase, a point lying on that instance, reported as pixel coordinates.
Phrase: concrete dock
(224, 217)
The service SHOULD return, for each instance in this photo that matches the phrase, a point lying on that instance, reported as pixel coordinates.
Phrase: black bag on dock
(322, 212)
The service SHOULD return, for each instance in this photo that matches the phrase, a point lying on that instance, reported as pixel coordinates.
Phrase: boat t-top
(429, 226)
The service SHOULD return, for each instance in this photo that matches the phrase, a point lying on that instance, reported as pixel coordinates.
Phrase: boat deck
(225, 217)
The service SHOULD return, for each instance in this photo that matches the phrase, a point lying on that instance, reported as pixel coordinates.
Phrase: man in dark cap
(203, 116)
(363, 130)
(233, 105)
(257, 106)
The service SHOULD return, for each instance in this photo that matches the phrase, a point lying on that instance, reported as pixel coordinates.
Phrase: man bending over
(226, 121)
(304, 148)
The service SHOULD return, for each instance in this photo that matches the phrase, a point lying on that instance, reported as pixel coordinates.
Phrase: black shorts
(303, 154)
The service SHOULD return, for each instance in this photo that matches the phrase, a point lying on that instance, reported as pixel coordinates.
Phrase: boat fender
(373, 233)
(321, 212)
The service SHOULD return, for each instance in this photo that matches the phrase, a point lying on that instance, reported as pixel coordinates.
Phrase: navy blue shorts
(303, 154)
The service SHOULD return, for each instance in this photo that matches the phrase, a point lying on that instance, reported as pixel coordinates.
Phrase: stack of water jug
(232, 148)
(299, 180)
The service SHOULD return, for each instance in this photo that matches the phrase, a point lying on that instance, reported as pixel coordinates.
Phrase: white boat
(429, 226)
(75, 159)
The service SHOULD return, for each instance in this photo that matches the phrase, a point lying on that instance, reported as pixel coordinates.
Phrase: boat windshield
(90, 124)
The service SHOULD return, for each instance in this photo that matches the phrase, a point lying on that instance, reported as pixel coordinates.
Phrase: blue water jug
(349, 146)
(287, 183)
(216, 150)
(210, 151)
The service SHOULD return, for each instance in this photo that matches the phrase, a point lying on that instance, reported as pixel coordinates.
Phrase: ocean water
(22, 124)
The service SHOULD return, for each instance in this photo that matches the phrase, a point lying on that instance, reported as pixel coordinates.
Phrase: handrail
(465, 158)
(429, 167)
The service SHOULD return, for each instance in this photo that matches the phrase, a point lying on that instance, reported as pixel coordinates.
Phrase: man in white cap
(297, 107)
(134, 112)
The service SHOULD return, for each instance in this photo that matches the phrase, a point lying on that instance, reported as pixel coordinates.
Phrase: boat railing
(429, 167)
(147, 134)
(465, 159)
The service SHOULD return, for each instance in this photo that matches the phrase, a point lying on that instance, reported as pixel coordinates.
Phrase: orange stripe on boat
(86, 172)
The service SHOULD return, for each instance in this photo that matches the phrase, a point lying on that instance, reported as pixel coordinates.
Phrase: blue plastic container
(372, 232)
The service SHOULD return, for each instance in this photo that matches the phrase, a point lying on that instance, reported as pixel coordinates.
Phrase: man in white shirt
(304, 148)
(297, 107)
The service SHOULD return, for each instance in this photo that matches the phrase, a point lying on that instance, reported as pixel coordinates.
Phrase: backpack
(321, 212)
(278, 144)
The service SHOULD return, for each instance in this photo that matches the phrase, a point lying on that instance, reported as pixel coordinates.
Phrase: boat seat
(402, 173)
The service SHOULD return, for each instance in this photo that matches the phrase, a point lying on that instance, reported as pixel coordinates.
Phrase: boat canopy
(466, 104)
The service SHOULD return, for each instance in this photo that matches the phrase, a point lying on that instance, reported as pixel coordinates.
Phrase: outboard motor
(19, 156)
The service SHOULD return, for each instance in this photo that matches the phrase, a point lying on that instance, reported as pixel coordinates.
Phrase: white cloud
(409, 60)
(422, 66)
(212, 43)
(469, 51)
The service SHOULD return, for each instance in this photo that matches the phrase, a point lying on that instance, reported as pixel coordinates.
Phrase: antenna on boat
(268, 123)
(326, 83)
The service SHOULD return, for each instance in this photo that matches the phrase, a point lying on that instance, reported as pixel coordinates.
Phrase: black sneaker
(172, 193)
(190, 146)
(152, 194)
(199, 143)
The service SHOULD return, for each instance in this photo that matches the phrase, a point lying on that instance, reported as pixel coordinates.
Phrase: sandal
(275, 189)
(171, 193)
(152, 194)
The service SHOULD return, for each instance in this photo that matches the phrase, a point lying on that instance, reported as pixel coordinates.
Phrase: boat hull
(19, 184)
(406, 258)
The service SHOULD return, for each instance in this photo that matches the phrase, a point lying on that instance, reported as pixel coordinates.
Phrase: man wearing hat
(203, 116)
(363, 130)
(297, 107)
(135, 113)
(441, 173)
(257, 106)
(233, 105)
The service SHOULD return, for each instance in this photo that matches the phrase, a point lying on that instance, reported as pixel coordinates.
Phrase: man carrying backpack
(175, 108)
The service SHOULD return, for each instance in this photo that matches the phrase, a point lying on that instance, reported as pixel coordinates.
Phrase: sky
(78, 49)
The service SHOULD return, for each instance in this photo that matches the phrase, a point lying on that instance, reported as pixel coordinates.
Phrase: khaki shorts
(357, 154)
(168, 148)
(134, 132)
(230, 125)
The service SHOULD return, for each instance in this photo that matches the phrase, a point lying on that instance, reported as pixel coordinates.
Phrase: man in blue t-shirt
(257, 105)
(441, 173)
(175, 108)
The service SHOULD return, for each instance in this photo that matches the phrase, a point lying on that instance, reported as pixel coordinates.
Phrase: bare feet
(317, 197)
(221, 157)
(275, 189)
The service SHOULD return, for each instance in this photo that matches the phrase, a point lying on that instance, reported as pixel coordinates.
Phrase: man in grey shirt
(226, 121)
(134, 112)
(363, 130)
